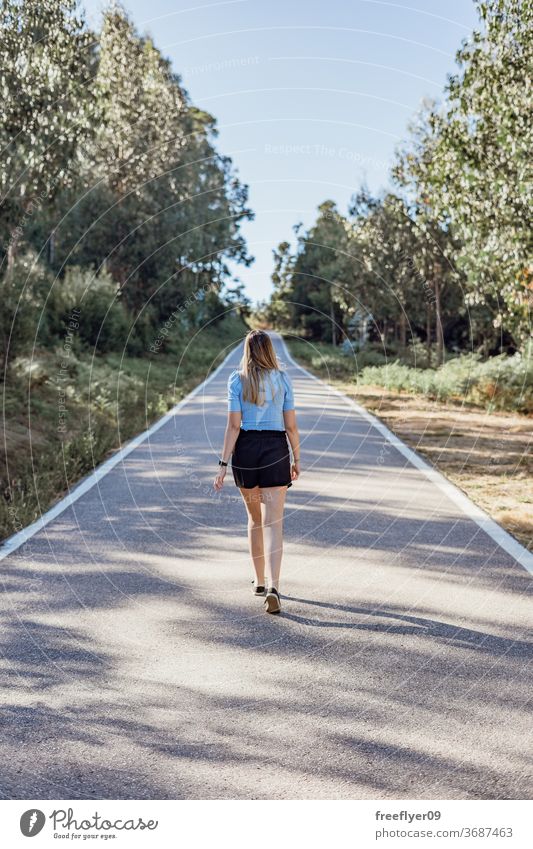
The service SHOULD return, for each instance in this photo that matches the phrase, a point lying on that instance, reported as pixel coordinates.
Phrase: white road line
(13, 542)
(482, 519)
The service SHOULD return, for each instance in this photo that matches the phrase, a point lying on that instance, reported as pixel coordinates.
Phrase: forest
(119, 217)
(439, 265)
(120, 231)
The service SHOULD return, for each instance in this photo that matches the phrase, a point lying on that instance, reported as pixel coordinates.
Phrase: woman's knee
(273, 505)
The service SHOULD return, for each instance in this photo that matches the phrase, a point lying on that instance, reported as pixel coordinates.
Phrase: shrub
(502, 382)
(103, 322)
(21, 295)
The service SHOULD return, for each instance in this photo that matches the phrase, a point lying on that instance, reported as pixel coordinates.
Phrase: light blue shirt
(278, 396)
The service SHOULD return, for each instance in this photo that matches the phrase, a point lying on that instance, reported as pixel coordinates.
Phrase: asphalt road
(137, 664)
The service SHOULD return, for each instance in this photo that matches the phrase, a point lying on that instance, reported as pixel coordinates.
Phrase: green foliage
(163, 206)
(383, 267)
(447, 262)
(103, 321)
(469, 164)
(333, 361)
(311, 287)
(22, 294)
(109, 399)
(501, 383)
(45, 56)
(107, 162)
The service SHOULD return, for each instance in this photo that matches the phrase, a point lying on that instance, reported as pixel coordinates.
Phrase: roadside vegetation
(482, 446)
(61, 422)
(436, 271)
(418, 301)
(119, 216)
(498, 383)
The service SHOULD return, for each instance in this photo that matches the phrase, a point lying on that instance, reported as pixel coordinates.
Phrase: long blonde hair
(259, 358)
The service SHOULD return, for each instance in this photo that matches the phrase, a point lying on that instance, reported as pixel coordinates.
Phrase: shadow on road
(136, 663)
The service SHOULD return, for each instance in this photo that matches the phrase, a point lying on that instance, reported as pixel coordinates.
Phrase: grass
(60, 422)
(499, 383)
(484, 451)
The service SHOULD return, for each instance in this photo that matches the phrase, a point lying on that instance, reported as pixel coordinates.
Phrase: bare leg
(272, 505)
(252, 500)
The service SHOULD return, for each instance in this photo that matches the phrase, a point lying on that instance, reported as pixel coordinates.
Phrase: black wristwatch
(222, 463)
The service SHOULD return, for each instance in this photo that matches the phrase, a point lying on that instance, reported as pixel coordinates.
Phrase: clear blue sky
(311, 97)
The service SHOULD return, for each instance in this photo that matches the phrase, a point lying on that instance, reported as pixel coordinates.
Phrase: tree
(45, 59)
(321, 274)
(470, 163)
(386, 262)
(159, 205)
(280, 309)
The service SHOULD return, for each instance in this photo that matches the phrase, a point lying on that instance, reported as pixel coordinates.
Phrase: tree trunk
(52, 248)
(439, 337)
(332, 316)
(11, 251)
(403, 329)
(428, 333)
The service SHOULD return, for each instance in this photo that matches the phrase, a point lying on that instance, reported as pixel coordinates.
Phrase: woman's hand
(219, 480)
(295, 470)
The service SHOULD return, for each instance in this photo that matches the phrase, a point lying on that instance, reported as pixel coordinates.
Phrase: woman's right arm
(233, 428)
(233, 425)
(291, 426)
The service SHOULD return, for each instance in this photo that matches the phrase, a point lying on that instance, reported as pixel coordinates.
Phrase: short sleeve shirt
(279, 397)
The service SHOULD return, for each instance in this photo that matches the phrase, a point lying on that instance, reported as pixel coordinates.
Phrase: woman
(261, 416)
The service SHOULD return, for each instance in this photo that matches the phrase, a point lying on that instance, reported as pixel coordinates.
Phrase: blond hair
(259, 358)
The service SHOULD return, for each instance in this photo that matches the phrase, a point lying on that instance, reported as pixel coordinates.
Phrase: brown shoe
(272, 601)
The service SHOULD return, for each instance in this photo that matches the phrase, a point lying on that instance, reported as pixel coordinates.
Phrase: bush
(339, 362)
(502, 382)
(108, 399)
(103, 320)
(21, 295)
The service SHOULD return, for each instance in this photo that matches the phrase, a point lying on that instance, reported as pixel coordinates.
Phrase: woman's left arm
(233, 427)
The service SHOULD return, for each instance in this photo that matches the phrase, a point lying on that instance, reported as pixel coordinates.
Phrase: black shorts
(261, 458)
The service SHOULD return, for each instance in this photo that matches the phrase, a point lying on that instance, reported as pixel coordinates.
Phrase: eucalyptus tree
(214, 204)
(469, 162)
(119, 217)
(384, 237)
(160, 206)
(322, 275)
(281, 307)
(45, 56)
